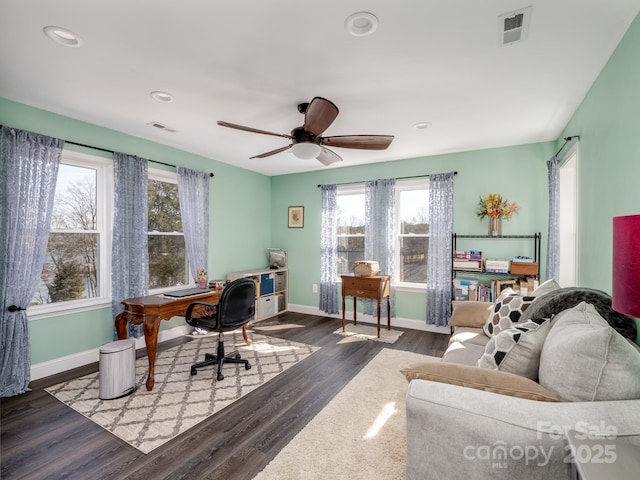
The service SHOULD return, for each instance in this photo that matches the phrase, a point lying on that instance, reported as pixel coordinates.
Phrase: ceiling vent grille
(514, 26)
(161, 126)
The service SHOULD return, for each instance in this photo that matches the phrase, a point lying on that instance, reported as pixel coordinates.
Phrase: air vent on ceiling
(514, 26)
(161, 126)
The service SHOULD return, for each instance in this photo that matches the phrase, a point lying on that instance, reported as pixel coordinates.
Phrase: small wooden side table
(375, 287)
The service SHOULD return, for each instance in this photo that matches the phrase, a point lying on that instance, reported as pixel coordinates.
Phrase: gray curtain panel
(439, 250)
(193, 190)
(553, 237)
(380, 232)
(130, 257)
(28, 173)
(329, 250)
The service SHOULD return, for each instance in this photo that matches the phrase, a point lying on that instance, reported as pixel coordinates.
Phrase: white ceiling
(252, 61)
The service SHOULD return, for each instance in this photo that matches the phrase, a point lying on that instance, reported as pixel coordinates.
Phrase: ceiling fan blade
(249, 129)
(319, 115)
(272, 152)
(327, 157)
(365, 142)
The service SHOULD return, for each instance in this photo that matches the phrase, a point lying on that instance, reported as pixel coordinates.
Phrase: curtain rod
(397, 178)
(566, 140)
(111, 151)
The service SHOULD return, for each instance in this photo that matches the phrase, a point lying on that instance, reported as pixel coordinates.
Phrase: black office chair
(237, 305)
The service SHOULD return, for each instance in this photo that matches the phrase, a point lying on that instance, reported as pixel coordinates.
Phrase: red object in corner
(626, 265)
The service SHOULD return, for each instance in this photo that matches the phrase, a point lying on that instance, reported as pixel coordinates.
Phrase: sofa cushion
(584, 359)
(469, 335)
(507, 311)
(470, 314)
(556, 301)
(517, 349)
(545, 287)
(479, 378)
(464, 353)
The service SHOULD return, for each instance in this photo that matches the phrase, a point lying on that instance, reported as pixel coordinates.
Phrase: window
(75, 271)
(412, 204)
(167, 254)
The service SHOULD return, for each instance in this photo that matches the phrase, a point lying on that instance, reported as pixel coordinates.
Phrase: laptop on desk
(186, 293)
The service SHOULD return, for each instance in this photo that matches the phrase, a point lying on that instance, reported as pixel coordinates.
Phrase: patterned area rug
(179, 401)
(367, 332)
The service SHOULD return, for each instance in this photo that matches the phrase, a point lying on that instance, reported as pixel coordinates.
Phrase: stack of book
(496, 266)
(467, 260)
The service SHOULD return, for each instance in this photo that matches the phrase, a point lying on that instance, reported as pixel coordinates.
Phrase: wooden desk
(150, 311)
(376, 287)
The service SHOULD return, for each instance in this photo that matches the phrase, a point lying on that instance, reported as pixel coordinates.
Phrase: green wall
(518, 173)
(238, 237)
(609, 158)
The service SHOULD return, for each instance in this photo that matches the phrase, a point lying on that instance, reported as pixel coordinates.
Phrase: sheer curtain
(553, 242)
(130, 258)
(193, 190)
(329, 250)
(28, 172)
(380, 232)
(439, 252)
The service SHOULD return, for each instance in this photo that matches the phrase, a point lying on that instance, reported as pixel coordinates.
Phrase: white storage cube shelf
(271, 290)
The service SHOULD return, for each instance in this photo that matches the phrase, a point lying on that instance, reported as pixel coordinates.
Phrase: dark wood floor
(41, 438)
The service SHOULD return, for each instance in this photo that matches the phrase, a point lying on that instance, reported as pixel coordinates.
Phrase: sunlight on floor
(387, 412)
(269, 348)
(268, 328)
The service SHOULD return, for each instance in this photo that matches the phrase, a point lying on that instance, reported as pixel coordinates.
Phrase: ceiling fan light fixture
(63, 36)
(306, 150)
(361, 24)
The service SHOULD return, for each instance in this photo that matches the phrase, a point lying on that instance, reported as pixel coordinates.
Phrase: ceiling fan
(307, 141)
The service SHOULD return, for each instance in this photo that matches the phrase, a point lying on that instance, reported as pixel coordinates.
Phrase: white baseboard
(62, 364)
(395, 322)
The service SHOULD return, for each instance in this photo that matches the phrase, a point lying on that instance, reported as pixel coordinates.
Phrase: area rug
(368, 332)
(178, 400)
(360, 434)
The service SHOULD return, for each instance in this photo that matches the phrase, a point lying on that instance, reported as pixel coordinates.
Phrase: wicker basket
(366, 268)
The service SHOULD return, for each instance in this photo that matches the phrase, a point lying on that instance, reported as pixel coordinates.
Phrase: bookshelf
(483, 279)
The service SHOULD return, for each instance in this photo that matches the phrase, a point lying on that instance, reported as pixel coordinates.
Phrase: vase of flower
(495, 226)
(496, 208)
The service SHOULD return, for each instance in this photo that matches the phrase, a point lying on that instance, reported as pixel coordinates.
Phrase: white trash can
(117, 369)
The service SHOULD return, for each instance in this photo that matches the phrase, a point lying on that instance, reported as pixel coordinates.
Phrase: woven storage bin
(366, 268)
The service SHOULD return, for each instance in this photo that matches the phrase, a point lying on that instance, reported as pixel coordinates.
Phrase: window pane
(413, 259)
(351, 214)
(164, 207)
(414, 211)
(167, 261)
(75, 205)
(70, 268)
(350, 249)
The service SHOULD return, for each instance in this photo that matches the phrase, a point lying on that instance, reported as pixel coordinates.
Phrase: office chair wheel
(208, 357)
(220, 377)
(247, 366)
(237, 356)
(193, 371)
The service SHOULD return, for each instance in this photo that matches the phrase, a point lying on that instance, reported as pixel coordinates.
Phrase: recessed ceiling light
(361, 23)
(63, 36)
(421, 125)
(161, 96)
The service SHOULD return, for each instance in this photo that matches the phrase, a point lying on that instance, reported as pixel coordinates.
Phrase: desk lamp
(626, 265)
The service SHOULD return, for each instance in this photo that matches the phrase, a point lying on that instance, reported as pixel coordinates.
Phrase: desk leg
(244, 335)
(151, 326)
(121, 325)
(389, 313)
(378, 317)
(343, 322)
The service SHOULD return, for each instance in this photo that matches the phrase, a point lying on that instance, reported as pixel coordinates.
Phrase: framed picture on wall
(296, 217)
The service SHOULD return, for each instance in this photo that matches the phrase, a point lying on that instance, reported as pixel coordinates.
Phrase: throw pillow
(584, 359)
(480, 379)
(562, 299)
(517, 349)
(470, 314)
(546, 287)
(507, 311)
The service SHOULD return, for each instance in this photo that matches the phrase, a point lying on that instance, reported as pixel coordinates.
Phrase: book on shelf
(467, 264)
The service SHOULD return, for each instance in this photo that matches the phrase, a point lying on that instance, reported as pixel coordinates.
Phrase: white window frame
(104, 198)
(169, 177)
(403, 185)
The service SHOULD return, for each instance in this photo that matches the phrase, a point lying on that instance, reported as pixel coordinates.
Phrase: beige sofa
(496, 421)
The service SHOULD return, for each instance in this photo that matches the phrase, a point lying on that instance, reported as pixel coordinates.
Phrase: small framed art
(296, 217)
